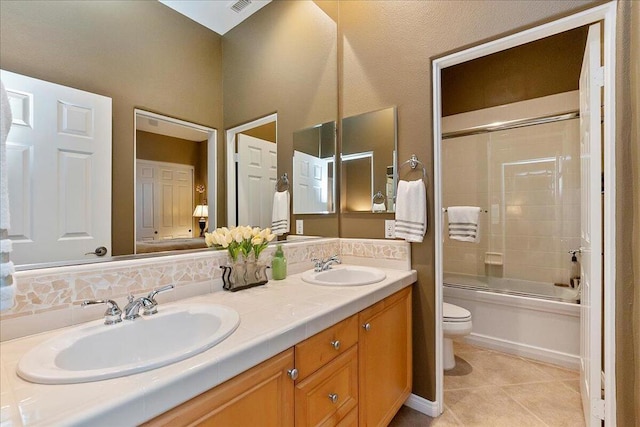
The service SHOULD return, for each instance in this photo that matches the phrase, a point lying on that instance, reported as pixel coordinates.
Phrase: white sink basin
(95, 351)
(344, 275)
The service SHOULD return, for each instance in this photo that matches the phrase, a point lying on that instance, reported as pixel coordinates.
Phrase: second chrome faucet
(148, 304)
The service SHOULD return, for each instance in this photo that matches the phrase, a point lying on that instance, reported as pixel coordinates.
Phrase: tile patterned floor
(489, 388)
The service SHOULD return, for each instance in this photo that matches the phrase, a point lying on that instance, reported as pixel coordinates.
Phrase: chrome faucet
(113, 313)
(324, 265)
(148, 304)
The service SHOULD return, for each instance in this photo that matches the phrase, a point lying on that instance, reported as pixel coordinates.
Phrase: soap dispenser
(278, 264)
(574, 279)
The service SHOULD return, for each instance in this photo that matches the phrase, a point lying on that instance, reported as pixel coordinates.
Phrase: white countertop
(273, 318)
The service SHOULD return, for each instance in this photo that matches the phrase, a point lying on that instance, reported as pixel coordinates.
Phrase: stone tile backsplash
(41, 292)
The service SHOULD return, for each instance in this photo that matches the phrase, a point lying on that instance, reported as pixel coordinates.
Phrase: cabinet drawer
(329, 396)
(314, 352)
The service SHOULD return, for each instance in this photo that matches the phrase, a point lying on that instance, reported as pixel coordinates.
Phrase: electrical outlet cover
(389, 229)
(299, 226)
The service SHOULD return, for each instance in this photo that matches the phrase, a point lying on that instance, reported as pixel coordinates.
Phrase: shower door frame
(607, 14)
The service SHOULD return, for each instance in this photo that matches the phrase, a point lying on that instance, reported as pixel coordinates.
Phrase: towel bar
(481, 210)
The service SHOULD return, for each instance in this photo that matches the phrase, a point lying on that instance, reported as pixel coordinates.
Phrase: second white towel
(280, 213)
(463, 223)
(411, 211)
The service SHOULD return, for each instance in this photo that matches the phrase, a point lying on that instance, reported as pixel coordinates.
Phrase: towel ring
(413, 162)
(378, 197)
(282, 184)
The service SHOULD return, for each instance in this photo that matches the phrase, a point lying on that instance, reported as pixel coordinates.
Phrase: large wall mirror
(284, 73)
(282, 60)
(368, 158)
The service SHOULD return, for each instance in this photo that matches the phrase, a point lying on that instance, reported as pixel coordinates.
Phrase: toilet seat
(453, 313)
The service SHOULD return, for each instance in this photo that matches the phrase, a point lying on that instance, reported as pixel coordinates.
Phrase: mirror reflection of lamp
(201, 210)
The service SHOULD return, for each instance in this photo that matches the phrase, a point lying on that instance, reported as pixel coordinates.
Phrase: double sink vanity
(317, 348)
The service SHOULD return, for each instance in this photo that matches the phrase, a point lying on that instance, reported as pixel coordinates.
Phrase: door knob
(335, 344)
(333, 397)
(366, 327)
(100, 251)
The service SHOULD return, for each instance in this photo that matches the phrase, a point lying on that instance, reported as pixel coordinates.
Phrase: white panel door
(311, 181)
(591, 78)
(59, 167)
(257, 175)
(164, 200)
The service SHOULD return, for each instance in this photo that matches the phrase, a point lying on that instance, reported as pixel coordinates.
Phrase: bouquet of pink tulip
(242, 239)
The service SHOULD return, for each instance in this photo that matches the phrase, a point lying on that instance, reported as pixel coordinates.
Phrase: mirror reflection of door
(252, 152)
(59, 169)
(313, 169)
(257, 176)
(172, 182)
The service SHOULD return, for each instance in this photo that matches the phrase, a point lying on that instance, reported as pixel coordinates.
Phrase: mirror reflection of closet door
(257, 175)
(164, 200)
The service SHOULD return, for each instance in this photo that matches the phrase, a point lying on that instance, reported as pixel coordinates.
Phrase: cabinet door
(385, 366)
(261, 396)
(330, 395)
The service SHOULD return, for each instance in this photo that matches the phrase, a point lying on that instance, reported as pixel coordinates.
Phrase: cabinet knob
(293, 374)
(335, 344)
(333, 397)
(366, 326)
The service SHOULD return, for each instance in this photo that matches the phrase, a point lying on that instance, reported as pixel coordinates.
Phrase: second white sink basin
(96, 351)
(345, 275)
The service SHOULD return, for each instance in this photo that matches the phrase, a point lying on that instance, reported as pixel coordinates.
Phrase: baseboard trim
(565, 360)
(423, 405)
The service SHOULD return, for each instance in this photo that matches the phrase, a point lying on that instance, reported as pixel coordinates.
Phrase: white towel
(463, 223)
(378, 207)
(280, 215)
(5, 125)
(411, 211)
(7, 288)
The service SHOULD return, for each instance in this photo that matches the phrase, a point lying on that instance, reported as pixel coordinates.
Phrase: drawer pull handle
(335, 344)
(367, 326)
(293, 374)
(333, 397)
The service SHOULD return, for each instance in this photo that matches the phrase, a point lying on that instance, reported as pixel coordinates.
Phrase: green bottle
(279, 264)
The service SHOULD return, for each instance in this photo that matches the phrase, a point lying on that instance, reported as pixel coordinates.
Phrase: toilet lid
(453, 313)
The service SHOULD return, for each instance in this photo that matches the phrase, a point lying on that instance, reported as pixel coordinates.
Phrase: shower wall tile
(532, 175)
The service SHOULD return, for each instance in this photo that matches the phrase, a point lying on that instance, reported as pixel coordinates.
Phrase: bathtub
(534, 320)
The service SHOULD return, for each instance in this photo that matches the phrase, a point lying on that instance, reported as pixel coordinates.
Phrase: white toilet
(456, 322)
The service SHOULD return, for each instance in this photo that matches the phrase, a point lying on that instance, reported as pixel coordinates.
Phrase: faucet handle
(317, 263)
(113, 313)
(150, 305)
(153, 293)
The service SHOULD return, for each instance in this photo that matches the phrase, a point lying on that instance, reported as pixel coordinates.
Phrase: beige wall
(414, 32)
(139, 53)
(540, 68)
(283, 59)
(632, 365)
(162, 148)
(124, 50)
(627, 215)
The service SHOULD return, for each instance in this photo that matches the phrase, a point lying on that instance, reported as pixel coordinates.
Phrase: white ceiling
(216, 15)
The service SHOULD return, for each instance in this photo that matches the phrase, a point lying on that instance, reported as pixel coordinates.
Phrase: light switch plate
(299, 226)
(389, 229)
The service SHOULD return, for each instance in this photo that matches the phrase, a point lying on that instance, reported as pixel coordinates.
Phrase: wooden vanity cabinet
(261, 396)
(384, 358)
(356, 372)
